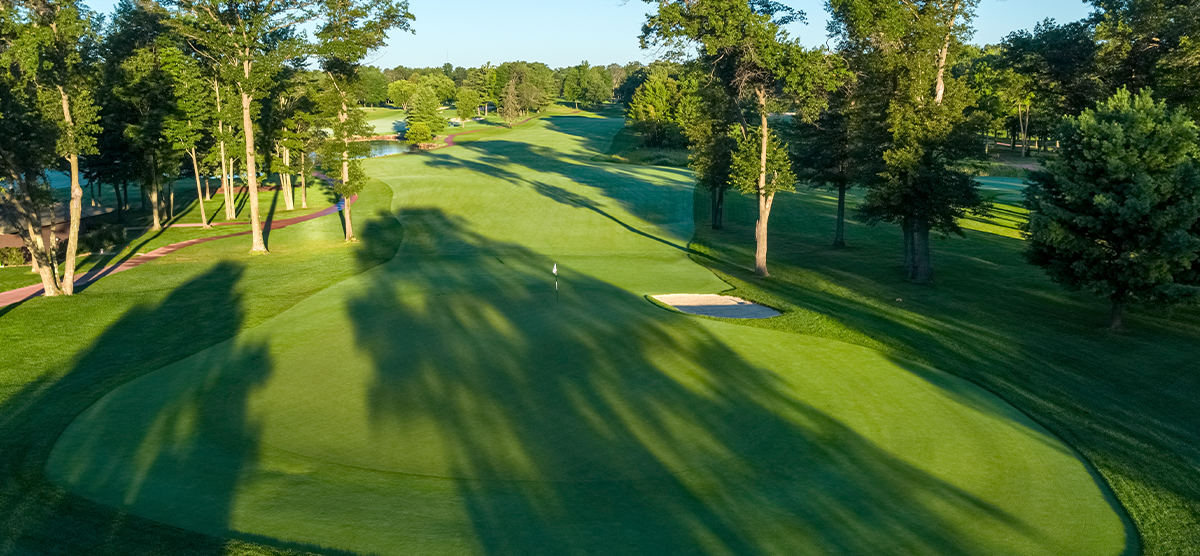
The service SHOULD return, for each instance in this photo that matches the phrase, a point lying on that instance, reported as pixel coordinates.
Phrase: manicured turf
(141, 239)
(385, 120)
(1126, 401)
(60, 355)
(450, 402)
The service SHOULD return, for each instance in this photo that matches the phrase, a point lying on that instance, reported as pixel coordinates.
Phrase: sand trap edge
(715, 305)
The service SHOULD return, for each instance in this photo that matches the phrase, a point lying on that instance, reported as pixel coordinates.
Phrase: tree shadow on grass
(599, 424)
(39, 517)
(655, 204)
(992, 319)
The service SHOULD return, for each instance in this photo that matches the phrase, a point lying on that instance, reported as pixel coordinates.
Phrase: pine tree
(1117, 213)
(510, 104)
(425, 106)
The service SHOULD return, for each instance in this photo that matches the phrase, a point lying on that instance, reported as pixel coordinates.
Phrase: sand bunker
(714, 305)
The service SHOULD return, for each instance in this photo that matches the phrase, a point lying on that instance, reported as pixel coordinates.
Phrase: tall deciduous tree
(401, 92)
(351, 29)
(1151, 43)
(1117, 213)
(374, 85)
(55, 49)
(826, 154)
(26, 149)
(247, 44)
(744, 42)
(303, 135)
(185, 128)
(147, 89)
(653, 110)
(572, 85)
(466, 104)
(913, 112)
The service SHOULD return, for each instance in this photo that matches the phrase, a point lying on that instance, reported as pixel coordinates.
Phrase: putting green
(451, 402)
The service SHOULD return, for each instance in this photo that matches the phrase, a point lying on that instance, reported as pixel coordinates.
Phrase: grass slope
(60, 355)
(451, 402)
(1126, 401)
(141, 239)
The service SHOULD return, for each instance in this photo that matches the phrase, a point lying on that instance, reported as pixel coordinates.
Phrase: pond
(384, 148)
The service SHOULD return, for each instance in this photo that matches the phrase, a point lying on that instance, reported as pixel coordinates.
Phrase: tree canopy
(1117, 213)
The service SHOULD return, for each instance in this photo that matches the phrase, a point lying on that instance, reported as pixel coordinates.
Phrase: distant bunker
(714, 305)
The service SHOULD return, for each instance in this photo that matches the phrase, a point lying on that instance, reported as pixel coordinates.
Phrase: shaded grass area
(61, 355)
(1125, 401)
(142, 239)
(626, 148)
(450, 402)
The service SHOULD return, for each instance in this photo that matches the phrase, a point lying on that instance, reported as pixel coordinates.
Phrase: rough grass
(451, 402)
(626, 148)
(1126, 401)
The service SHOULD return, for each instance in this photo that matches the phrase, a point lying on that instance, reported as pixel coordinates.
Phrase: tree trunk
(68, 282)
(343, 116)
(1117, 315)
(225, 186)
(154, 201)
(839, 234)
(256, 234)
(922, 258)
(907, 237)
(718, 207)
(303, 182)
(940, 87)
(285, 181)
(207, 190)
(199, 199)
(1012, 140)
(764, 199)
(1024, 121)
(120, 203)
(43, 257)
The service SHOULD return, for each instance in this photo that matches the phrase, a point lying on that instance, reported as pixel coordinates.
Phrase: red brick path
(21, 294)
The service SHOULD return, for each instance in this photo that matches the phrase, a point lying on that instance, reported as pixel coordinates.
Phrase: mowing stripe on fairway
(448, 403)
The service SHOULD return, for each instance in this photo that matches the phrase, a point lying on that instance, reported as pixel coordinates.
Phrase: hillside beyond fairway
(450, 402)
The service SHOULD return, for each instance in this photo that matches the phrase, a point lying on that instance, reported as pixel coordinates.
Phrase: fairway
(452, 401)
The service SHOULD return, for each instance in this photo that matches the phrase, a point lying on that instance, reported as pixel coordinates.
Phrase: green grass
(1125, 401)
(141, 239)
(61, 355)
(385, 120)
(451, 402)
(626, 148)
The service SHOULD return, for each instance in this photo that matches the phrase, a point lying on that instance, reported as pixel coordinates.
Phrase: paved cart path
(28, 292)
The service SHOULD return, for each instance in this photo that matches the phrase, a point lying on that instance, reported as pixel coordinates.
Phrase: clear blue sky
(471, 32)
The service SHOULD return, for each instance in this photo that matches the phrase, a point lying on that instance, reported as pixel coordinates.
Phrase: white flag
(556, 269)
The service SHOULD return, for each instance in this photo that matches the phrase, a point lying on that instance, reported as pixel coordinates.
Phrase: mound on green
(448, 402)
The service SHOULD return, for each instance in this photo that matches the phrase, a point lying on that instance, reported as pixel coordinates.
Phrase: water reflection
(384, 148)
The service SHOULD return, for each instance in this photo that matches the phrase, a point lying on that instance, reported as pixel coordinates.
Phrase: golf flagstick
(555, 271)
